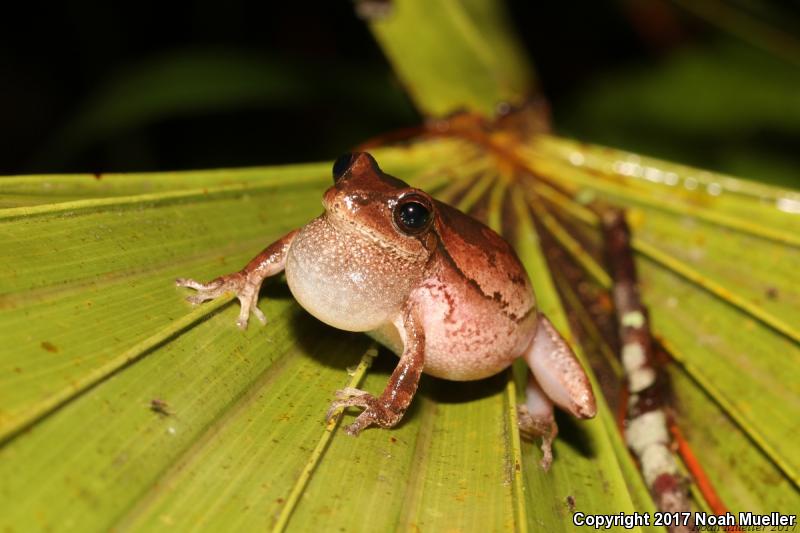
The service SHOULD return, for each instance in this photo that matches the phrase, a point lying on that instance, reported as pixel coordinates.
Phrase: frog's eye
(342, 165)
(412, 214)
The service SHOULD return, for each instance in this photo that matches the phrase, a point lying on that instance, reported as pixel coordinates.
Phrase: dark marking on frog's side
(495, 296)
(490, 257)
(516, 279)
(451, 306)
(525, 316)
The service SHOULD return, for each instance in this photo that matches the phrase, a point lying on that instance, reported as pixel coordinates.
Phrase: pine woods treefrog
(441, 290)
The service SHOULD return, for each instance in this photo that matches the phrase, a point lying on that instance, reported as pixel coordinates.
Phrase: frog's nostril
(342, 165)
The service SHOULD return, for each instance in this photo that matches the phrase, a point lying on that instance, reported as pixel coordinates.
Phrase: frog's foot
(533, 426)
(375, 411)
(535, 418)
(244, 287)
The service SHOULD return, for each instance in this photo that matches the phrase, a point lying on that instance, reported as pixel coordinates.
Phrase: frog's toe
(190, 283)
(348, 393)
(363, 421)
(538, 425)
(375, 414)
(259, 314)
(249, 307)
(197, 299)
(205, 291)
(245, 288)
(349, 397)
(244, 317)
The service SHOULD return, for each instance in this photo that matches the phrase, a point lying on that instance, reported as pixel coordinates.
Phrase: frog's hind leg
(556, 378)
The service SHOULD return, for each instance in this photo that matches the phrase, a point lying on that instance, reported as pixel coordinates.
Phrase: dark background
(102, 86)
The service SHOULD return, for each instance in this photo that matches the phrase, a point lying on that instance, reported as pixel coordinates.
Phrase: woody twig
(646, 431)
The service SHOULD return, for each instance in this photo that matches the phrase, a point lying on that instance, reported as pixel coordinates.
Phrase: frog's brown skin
(450, 298)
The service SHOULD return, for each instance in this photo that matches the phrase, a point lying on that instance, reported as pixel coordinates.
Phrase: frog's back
(486, 260)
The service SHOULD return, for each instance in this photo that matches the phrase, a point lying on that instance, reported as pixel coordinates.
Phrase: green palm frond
(93, 331)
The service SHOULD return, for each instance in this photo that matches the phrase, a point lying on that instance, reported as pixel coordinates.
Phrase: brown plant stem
(646, 430)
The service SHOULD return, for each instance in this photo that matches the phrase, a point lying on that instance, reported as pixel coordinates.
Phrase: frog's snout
(329, 198)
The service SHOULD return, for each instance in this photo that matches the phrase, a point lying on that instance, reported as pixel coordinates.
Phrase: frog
(441, 290)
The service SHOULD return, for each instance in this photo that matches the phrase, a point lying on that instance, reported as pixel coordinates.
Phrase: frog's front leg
(245, 283)
(557, 377)
(387, 409)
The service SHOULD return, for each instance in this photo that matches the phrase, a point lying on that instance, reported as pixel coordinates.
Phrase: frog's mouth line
(349, 225)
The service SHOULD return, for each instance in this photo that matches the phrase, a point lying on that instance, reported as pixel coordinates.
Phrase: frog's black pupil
(341, 165)
(414, 215)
